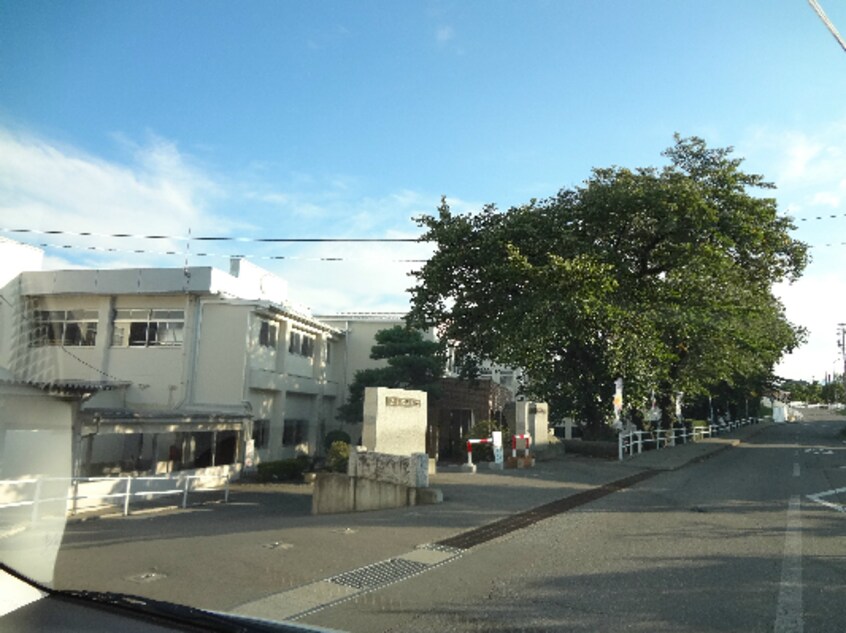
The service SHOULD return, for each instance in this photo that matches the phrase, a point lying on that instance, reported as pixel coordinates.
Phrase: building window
(148, 328)
(76, 328)
(261, 433)
(267, 334)
(301, 344)
(295, 432)
(294, 343)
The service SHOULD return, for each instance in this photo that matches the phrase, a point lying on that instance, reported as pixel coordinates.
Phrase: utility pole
(841, 343)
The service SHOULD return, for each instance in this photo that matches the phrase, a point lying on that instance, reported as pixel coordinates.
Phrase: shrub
(336, 435)
(284, 469)
(338, 456)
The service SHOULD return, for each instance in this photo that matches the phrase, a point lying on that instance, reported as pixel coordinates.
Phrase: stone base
(520, 462)
(429, 496)
(468, 468)
(495, 466)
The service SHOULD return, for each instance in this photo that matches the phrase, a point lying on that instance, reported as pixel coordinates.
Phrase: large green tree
(412, 362)
(660, 276)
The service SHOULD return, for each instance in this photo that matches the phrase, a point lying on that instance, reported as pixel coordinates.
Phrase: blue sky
(345, 119)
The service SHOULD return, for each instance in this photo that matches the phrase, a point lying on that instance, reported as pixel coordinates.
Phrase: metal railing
(630, 441)
(181, 485)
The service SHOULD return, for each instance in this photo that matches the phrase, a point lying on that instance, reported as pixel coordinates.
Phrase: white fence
(69, 495)
(633, 442)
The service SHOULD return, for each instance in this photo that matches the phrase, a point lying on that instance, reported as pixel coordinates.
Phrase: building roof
(106, 420)
(70, 387)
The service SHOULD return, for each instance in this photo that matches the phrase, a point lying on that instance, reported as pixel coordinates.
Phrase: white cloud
(808, 168)
(444, 34)
(161, 190)
(826, 198)
(817, 302)
(46, 187)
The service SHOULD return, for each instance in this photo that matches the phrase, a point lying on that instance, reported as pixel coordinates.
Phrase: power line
(215, 238)
(142, 251)
(277, 240)
(831, 28)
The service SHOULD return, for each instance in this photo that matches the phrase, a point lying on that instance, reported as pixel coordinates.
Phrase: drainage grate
(438, 547)
(512, 523)
(379, 574)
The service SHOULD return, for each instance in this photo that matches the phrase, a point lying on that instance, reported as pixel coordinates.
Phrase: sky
(337, 119)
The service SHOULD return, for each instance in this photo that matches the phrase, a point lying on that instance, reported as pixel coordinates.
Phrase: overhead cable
(831, 28)
(214, 238)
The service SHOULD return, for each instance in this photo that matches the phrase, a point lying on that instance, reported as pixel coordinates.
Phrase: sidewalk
(675, 457)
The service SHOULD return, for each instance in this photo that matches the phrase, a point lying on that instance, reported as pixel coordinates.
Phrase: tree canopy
(412, 363)
(660, 276)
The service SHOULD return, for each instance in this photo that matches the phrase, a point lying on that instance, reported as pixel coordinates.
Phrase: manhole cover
(150, 576)
(277, 545)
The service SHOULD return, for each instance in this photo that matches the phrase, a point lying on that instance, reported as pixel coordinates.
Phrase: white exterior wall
(360, 336)
(36, 432)
(221, 366)
(15, 258)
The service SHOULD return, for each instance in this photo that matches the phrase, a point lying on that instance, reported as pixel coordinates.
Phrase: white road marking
(795, 469)
(789, 616)
(818, 498)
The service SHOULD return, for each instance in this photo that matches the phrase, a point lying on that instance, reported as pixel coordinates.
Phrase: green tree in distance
(660, 276)
(412, 363)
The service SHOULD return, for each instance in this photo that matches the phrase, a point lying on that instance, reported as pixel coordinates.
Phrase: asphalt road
(730, 543)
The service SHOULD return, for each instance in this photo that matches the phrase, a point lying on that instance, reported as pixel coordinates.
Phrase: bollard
(527, 438)
(470, 443)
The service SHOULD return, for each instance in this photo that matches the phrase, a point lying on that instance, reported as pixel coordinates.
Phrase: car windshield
(432, 315)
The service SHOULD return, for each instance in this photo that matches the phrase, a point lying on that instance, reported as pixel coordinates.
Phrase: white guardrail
(629, 441)
(36, 492)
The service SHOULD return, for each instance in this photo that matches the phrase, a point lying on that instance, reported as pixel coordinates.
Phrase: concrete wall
(532, 418)
(15, 258)
(375, 481)
(408, 470)
(222, 354)
(36, 442)
(395, 420)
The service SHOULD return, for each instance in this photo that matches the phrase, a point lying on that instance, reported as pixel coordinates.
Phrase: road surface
(750, 539)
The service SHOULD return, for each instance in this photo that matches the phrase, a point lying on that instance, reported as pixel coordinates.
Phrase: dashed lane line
(789, 609)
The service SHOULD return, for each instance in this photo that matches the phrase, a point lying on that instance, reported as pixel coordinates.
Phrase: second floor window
(301, 344)
(148, 328)
(65, 327)
(267, 334)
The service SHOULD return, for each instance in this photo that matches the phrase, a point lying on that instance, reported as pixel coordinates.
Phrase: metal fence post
(185, 493)
(75, 488)
(127, 495)
(36, 500)
(226, 490)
